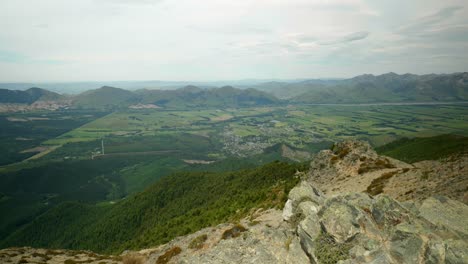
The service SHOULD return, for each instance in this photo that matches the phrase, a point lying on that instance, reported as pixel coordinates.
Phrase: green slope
(388, 87)
(28, 96)
(175, 205)
(192, 96)
(431, 148)
(105, 98)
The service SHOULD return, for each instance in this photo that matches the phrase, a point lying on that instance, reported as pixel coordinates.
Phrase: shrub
(373, 165)
(234, 231)
(198, 242)
(377, 185)
(328, 251)
(168, 255)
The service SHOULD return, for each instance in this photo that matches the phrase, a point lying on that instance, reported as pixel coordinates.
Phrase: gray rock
(406, 247)
(449, 213)
(340, 220)
(456, 252)
(303, 199)
(308, 230)
(435, 252)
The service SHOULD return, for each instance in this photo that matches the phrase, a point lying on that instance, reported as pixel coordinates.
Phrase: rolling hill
(104, 98)
(193, 96)
(189, 96)
(28, 96)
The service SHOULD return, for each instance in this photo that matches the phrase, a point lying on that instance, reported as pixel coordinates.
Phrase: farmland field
(297, 126)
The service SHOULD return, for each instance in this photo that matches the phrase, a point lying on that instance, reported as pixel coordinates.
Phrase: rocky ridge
(353, 166)
(344, 210)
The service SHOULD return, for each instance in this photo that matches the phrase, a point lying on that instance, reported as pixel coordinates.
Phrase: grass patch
(328, 251)
(198, 242)
(377, 185)
(373, 165)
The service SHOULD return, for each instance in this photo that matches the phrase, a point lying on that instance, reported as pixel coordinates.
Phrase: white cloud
(225, 39)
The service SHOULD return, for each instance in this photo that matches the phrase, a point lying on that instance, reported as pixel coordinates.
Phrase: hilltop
(104, 98)
(193, 96)
(28, 96)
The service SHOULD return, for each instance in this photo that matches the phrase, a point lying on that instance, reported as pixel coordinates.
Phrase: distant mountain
(366, 88)
(388, 87)
(288, 90)
(105, 97)
(193, 96)
(108, 97)
(28, 96)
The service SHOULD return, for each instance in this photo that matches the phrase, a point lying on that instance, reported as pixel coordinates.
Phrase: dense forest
(175, 205)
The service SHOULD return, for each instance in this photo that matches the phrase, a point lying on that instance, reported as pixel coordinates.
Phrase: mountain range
(386, 88)
(369, 88)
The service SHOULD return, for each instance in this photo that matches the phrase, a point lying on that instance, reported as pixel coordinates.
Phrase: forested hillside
(175, 205)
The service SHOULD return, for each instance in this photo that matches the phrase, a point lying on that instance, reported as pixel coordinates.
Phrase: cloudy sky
(98, 40)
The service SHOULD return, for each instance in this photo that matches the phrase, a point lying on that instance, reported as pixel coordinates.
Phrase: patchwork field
(297, 126)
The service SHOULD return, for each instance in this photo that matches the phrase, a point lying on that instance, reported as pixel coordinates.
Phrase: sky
(193, 40)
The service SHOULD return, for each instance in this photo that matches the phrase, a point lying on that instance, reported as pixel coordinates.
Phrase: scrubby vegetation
(377, 185)
(168, 255)
(328, 251)
(234, 231)
(198, 242)
(369, 165)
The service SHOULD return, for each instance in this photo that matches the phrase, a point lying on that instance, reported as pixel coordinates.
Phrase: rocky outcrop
(346, 228)
(353, 166)
(261, 238)
(357, 228)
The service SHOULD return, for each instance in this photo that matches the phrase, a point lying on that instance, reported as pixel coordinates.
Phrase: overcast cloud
(95, 40)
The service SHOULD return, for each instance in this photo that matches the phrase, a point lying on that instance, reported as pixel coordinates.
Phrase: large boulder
(358, 228)
(302, 200)
(442, 211)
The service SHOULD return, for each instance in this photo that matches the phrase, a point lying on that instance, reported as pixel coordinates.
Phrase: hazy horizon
(221, 40)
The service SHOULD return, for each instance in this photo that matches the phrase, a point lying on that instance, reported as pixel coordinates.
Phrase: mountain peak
(191, 88)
